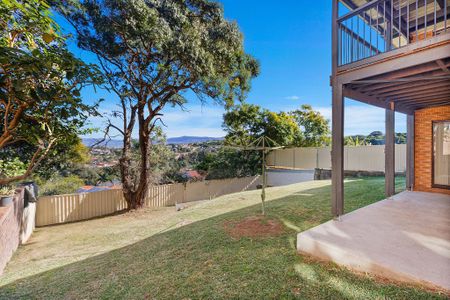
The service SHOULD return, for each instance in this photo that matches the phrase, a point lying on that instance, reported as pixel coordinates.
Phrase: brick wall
(423, 146)
(10, 222)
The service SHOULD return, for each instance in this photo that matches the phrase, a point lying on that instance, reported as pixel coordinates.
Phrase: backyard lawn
(210, 250)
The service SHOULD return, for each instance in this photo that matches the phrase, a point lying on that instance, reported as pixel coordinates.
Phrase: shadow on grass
(200, 260)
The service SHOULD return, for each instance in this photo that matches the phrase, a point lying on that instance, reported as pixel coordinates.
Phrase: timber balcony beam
(412, 71)
(424, 95)
(413, 91)
(410, 108)
(410, 86)
(443, 66)
(422, 101)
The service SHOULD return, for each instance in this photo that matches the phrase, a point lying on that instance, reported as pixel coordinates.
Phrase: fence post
(209, 190)
(293, 156)
(317, 157)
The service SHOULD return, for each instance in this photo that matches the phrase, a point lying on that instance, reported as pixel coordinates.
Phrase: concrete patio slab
(405, 237)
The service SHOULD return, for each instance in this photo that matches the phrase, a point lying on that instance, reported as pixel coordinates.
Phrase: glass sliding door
(441, 154)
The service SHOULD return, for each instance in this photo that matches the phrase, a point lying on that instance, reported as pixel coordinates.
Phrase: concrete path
(405, 237)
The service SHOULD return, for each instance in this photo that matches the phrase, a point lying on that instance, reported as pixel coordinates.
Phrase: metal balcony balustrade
(368, 28)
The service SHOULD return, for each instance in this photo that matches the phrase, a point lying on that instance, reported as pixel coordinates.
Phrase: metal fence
(75, 207)
(383, 25)
(358, 158)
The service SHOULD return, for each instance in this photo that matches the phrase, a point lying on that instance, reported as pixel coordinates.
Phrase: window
(441, 154)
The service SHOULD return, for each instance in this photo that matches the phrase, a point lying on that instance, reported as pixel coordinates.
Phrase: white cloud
(198, 120)
(292, 97)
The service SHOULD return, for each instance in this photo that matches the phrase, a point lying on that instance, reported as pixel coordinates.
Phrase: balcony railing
(383, 25)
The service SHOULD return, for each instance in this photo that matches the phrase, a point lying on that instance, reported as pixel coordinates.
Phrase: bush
(230, 163)
(61, 185)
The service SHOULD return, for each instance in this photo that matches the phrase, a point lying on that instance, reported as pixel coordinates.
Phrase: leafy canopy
(304, 127)
(154, 49)
(40, 83)
(230, 163)
(314, 127)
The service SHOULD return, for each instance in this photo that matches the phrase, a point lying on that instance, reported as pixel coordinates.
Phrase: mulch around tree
(254, 227)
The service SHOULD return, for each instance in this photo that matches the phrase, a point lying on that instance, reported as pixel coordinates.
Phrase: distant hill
(175, 140)
(109, 143)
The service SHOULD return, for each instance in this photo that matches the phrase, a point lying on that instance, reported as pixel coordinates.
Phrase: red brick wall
(423, 146)
(10, 227)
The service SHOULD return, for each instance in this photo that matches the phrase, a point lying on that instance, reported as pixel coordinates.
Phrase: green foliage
(171, 45)
(245, 123)
(90, 175)
(230, 163)
(108, 174)
(400, 137)
(305, 127)
(10, 168)
(356, 140)
(40, 83)
(164, 166)
(61, 185)
(374, 138)
(26, 24)
(315, 129)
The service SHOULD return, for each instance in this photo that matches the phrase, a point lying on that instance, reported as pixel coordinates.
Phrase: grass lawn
(163, 254)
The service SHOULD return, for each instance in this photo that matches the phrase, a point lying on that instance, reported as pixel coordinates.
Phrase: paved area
(405, 237)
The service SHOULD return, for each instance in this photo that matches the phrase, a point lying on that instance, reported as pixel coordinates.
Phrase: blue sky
(292, 43)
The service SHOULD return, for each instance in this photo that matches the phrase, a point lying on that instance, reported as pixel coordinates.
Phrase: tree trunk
(135, 194)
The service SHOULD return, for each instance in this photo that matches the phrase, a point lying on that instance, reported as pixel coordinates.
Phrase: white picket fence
(75, 207)
(356, 158)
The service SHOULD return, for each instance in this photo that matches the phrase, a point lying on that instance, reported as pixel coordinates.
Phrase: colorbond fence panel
(358, 158)
(164, 195)
(76, 207)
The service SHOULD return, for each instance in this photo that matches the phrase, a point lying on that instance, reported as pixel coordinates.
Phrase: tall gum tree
(152, 52)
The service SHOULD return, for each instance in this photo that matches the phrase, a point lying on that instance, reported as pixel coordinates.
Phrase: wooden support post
(389, 152)
(410, 152)
(337, 152)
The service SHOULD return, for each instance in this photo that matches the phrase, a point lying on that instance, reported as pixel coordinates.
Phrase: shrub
(61, 185)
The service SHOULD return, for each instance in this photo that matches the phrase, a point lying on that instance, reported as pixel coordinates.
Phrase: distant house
(193, 175)
(97, 188)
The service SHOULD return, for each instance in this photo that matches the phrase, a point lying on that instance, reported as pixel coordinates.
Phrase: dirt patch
(254, 227)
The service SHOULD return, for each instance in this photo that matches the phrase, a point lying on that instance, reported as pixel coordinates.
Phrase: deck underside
(406, 238)
(411, 80)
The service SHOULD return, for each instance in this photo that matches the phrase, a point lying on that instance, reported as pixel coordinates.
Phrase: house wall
(423, 140)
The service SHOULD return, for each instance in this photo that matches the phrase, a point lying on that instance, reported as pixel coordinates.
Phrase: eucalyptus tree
(314, 126)
(40, 83)
(153, 52)
(245, 123)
